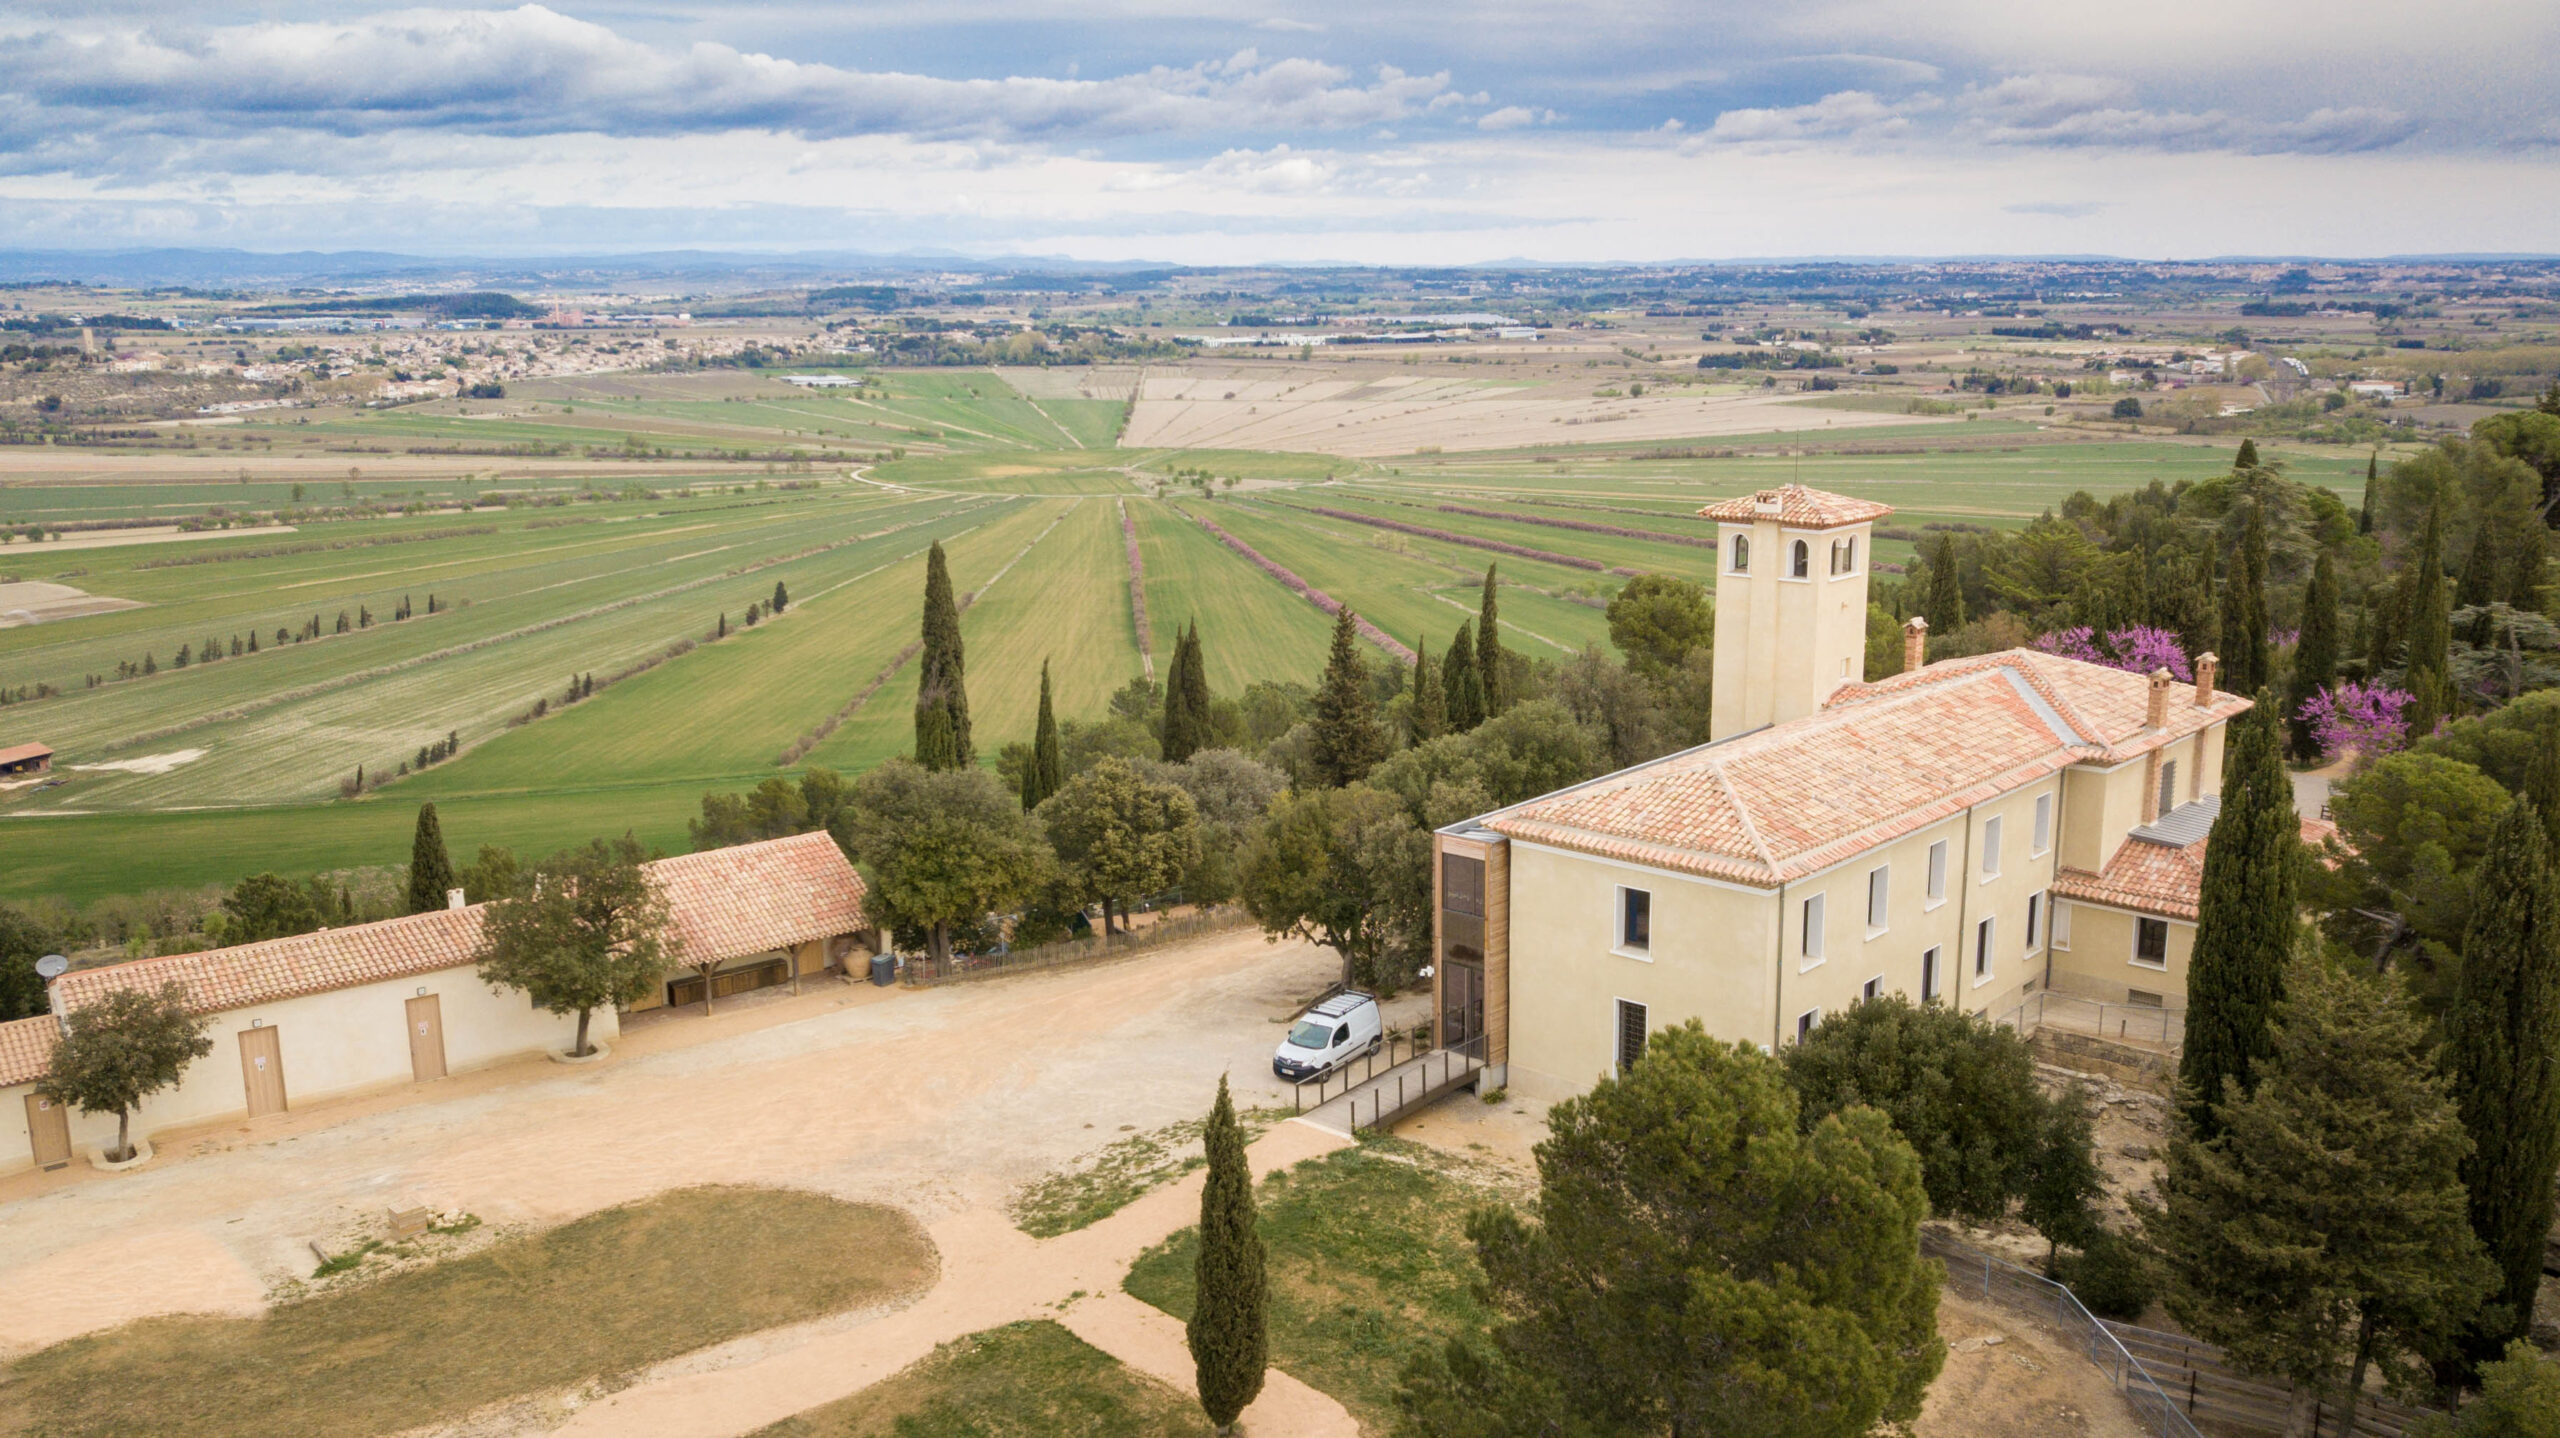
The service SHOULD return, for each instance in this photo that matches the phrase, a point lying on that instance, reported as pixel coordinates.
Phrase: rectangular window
(2044, 826)
(1635, 921)
(1991, 847)
(1879, 892)
(1813, 930)
(2060, 920)
(1937, 871)
(1982, 936)
(2151, 943)
(2141, 999)
(1929, 975)
(1873, 989)
(1805, 1022)
(2168, 786)
(1630, 1034)
(1462, 884)
(2035, 917)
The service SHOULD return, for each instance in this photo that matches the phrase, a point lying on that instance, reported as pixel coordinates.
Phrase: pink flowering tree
(2140, 648)
(2364, 719)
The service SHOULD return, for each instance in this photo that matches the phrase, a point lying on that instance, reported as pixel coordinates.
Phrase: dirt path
(2008, 1376)
(942, 1102)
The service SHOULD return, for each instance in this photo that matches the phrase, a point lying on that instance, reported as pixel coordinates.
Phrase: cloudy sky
(1214, 131)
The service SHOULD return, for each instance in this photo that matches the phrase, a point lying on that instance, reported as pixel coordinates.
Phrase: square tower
(1791, 603)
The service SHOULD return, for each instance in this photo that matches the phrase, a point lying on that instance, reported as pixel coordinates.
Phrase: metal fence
(1394, 1047)
(2163, 1028)
(921, 971)
(1971, 1271)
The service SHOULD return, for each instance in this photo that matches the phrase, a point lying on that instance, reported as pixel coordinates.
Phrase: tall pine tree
(2244, 610)
(2315, 658)
(1046, 774)
(1227, 1332)
(2428, 640)
(430, 867)
(1943, 606)
(1429, 718)
(2500, 1042)
(942, 688)
(1489, 665)
(2245, 921)
(1348, 739)
(1462, 685)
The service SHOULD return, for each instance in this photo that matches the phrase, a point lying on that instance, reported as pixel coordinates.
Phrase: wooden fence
(919, 971)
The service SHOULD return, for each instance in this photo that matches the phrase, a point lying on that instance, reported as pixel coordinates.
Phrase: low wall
(2133, 1067)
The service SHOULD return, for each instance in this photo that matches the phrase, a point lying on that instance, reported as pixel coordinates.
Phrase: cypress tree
(1186, 699)
(1227, 1331)
(2247, 459)
(2429, 638)
(1430, 716)
(1497, 693)
(2499, 1052)
(781, 597)
(2477, 583)
(2199, 619)
(2245, 922)
(1462, 687)
(1348, 741)
(2372, 478)
(1944, 606)
(2381, 629)
(2244, 610)
(1046, 773)
(2315, 658)
(942, 688)
(2542, 787)
(430, 867)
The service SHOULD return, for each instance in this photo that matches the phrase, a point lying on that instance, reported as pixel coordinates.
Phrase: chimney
(453, 898)
(2157, 714)
(2206, 664)
(1915, 643)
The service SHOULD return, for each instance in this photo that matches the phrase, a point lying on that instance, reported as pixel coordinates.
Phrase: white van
(1334, 1032)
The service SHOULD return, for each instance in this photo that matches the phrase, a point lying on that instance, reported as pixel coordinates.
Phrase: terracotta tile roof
(1880, 761)
(2151, 878)
(1796, 506)
(730, 902)
(17, 752)
(724, 903)
(26, 1049)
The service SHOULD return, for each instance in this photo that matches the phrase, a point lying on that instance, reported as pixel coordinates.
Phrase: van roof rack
(1342, 1003)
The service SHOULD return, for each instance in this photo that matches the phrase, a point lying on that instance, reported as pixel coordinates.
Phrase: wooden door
(262, 1070)
(426, 1038)
(49, 1124)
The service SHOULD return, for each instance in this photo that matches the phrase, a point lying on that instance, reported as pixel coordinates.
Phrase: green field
(219, 769)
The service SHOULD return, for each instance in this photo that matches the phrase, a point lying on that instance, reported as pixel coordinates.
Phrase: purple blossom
(2365, 719)
(1137, 585)
(2283, 638)
(2140, 648)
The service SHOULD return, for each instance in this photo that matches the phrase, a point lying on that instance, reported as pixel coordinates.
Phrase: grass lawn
(605, 1295)
(1024, 1380)
(1368, 1264)
(1120, 1173)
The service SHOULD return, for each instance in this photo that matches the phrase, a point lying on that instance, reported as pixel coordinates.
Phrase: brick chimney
(1915, 643)
(453, 899)
(2206, 664)
(2157, 715)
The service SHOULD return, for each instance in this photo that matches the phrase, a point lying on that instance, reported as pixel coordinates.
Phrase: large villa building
(1969, 832)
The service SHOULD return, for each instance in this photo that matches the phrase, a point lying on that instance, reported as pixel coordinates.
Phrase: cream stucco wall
(17, 1141)
(1782, 644)
(342, 1042)
(1733, 957)
(2099, 963)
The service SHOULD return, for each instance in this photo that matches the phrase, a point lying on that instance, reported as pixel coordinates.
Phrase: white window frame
(1873, 988)
(2136, 959)
(1991, 848)
(1986, 938)
(1879, 899)
(1738, 555)
(2057, 926)
(1933, 977)
(1812, 919)
(1844, 557)
(1618, 925)
(1800, 549)
(1937, 893)
(1807, 1022)
(2035, 918)
(2042, 835)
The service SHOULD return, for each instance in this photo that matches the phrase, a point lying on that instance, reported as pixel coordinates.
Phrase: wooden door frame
(61, 1121)
(273, 1040)
(409, 1010)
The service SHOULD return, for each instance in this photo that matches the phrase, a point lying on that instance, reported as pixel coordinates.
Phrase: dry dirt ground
(33, 601)
(941, 1101)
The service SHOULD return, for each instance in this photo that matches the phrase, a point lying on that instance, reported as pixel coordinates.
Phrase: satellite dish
(52, 966)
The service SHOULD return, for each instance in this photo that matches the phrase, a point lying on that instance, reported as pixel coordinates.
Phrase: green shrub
(2110, 1277)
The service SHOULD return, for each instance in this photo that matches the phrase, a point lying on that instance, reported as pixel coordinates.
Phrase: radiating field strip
(1250, 627)
(1067, 602)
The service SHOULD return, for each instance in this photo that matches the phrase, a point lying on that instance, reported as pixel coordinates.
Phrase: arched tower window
(1742, 554)
(1800, 565)
(1844, 555)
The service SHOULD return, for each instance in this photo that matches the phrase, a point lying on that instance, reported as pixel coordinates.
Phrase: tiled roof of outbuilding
(26, 1048)
(2162, 879)
(1879, 761)
(1796, 506)
(723, 903)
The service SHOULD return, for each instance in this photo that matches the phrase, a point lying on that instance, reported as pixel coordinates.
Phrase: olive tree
(590, 931)
(120, 1050)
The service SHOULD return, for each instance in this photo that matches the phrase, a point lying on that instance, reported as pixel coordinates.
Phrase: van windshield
(1312, 1035)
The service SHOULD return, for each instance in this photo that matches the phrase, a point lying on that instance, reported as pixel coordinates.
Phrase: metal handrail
(2150, 1402)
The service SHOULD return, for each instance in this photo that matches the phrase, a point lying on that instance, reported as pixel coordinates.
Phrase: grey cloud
(1842, 114)
(532, 70)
